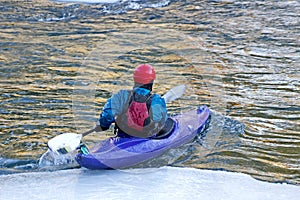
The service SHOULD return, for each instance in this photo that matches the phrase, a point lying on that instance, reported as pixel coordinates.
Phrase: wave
(77, 9)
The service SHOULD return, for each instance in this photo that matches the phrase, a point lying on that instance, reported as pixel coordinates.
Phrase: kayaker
(136, 112)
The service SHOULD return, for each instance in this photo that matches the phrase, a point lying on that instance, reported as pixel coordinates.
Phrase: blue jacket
(115, 105)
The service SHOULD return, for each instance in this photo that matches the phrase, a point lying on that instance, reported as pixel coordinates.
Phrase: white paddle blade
(65, 143)
(174, 93)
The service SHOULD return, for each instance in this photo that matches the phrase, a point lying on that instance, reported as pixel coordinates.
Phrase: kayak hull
(117, 152)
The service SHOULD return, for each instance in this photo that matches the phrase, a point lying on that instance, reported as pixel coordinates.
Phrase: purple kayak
(117, 152)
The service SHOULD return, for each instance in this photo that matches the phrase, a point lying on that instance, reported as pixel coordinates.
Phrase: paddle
(69, 142)
(174, 93)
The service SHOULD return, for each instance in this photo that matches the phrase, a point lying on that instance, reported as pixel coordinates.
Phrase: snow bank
(161, 183)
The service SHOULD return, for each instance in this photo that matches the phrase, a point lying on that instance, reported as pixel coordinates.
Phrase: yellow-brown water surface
(59, 62)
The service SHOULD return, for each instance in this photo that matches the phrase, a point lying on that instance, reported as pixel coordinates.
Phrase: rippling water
(61, 61)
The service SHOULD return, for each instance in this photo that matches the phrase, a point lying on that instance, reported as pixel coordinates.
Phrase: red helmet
(144, 74)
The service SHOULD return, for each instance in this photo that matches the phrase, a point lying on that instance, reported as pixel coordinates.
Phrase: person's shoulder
(122, 93)
(155, 95)
(156, 98)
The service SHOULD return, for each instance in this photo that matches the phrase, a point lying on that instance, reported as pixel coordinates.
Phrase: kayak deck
(117, 152)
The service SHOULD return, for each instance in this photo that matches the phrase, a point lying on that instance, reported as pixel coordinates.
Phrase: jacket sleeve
(113, 107)
(159, 109)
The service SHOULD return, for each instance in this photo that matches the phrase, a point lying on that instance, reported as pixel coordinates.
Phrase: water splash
(51, 160)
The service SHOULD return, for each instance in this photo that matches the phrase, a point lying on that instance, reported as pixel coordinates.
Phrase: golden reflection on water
(57, 75)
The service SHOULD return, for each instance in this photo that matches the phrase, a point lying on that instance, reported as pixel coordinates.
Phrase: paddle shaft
(97, 128)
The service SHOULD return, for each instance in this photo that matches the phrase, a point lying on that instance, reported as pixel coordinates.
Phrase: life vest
(137, 113)
(135, 120)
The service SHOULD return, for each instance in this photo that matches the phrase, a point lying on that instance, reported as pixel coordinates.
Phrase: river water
(60, 61)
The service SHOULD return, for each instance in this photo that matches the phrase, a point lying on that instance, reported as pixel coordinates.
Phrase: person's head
(144, 76)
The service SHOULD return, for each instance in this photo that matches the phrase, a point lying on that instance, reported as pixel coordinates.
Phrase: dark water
(61, 61)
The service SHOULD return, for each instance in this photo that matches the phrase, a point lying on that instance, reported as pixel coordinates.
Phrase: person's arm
(159, 109)
(113, 106)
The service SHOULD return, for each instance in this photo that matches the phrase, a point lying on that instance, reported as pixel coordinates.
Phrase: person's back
(136, 112)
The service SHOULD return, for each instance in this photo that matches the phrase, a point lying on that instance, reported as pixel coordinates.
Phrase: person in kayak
(136, 112)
